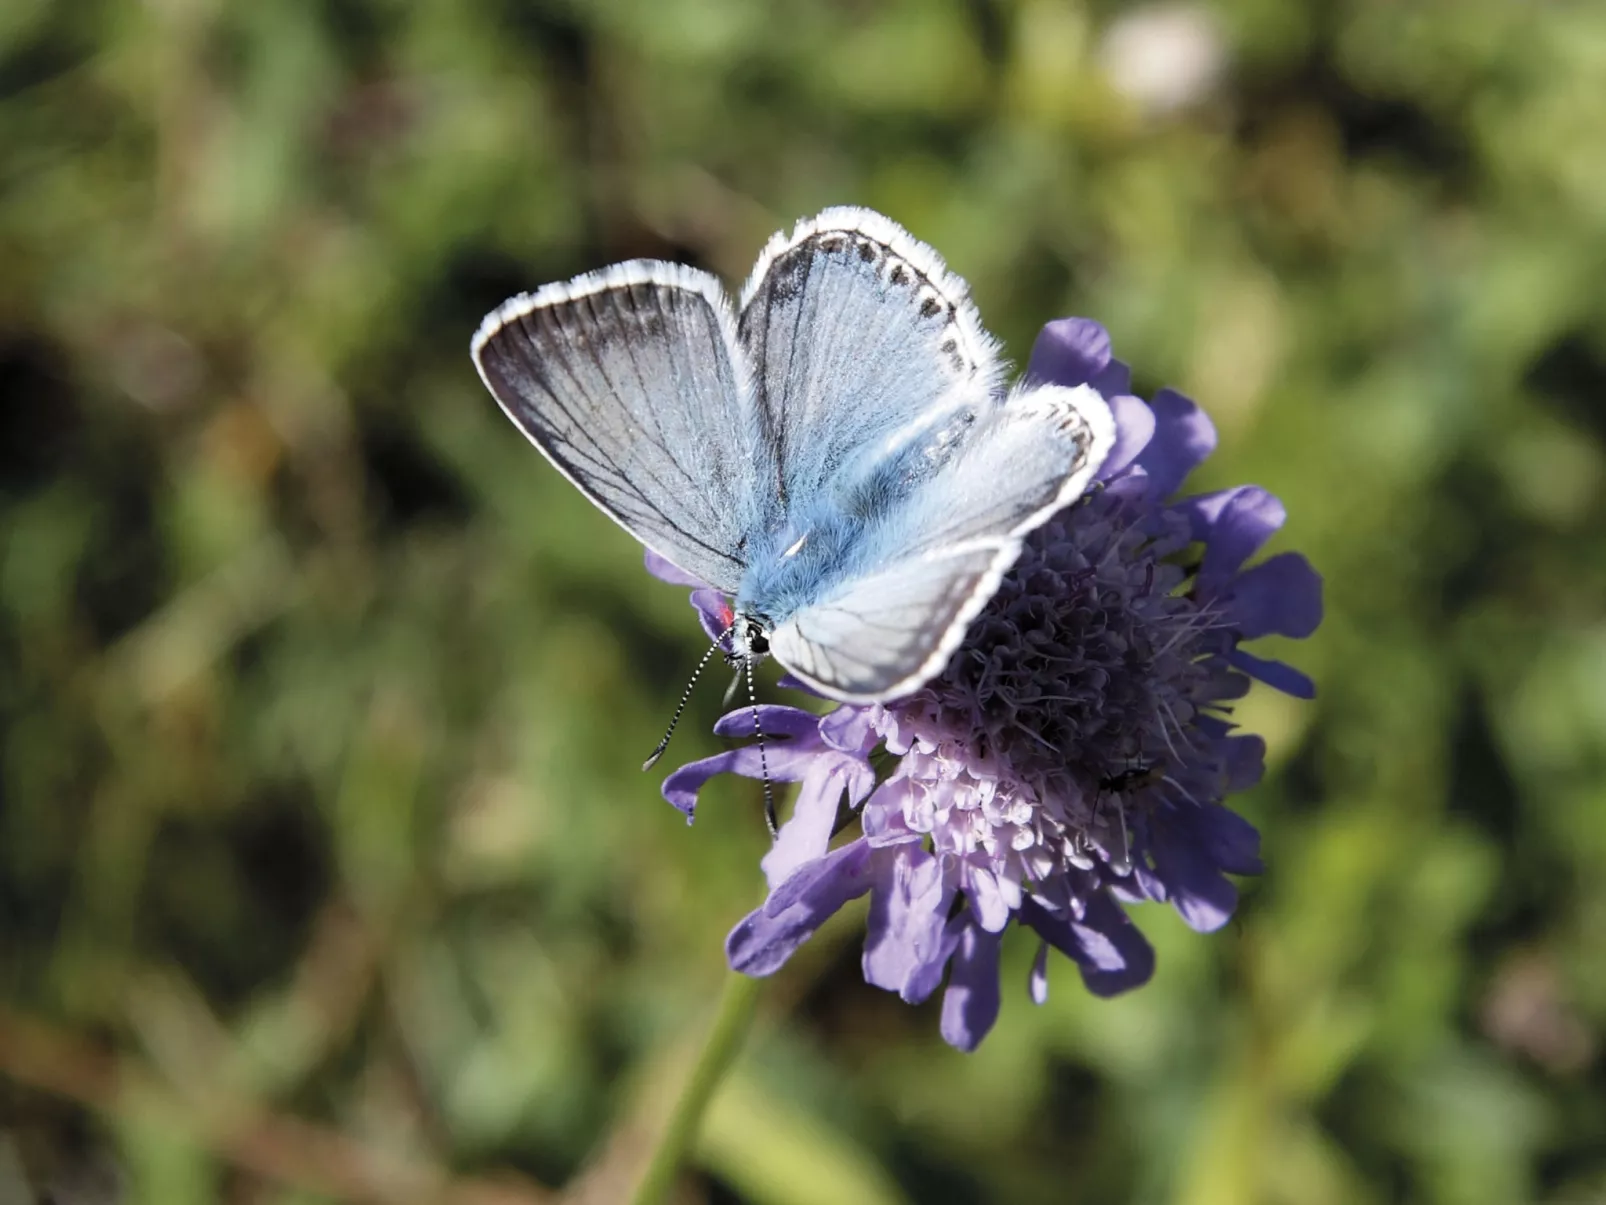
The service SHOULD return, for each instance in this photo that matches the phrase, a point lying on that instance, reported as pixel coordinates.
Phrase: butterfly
(837, 454)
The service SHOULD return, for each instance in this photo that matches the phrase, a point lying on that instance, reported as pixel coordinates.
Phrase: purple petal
(666, 570)
(1281, 595)
(1200, 894)
(1133, 485)
(849, 729)
(807, 833)
(1183, 437)
(713, 612)
(681, 787)
(1226, 838)
(1149, 885)
(1037, 981)
(1244, 759)
(986, 898)
(884, 820)
(1233, 524)
(1112, 955)
(1134, 427)
(776, 720)
(783, 761)
(788, 682)
(970, 1005)
(904, 946)
(1115, 380)
(1225, 684)
(1275, 674)
(1136, 888)
(1134, 962)
(763, 940)
(1069, 351)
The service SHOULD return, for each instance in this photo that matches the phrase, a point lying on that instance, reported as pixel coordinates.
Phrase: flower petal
(1069, 351)
(986, 898)
(713, 612)
(776, 720)
(802, 727)
(884, 819)
(1115, 380)
(1183, 437)
(666, 570)
(904, 946)
(1244, 759)
(1106, 946)
(1281, 595)
(682, 786)
(806, 835)
(1134, 428)
(1226, 838)
(1275, 674)
(788, 682)
(1232, 524)
(784, 761)
(763, 940)
(1199, 892)
(1037, 981)
(970, 1005)
(1134, 962)
(849, 729)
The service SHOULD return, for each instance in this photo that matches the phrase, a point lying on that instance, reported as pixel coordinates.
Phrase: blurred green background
(327, 871)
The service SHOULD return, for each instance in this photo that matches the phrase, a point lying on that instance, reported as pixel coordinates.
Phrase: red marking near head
(727, 615)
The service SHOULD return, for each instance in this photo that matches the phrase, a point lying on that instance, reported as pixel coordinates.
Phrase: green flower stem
(720, 1048)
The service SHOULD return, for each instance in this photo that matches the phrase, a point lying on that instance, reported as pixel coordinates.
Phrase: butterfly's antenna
(763, 761)
(681, 706)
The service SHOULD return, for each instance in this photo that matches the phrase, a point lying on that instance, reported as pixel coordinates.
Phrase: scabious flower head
(1074, 754)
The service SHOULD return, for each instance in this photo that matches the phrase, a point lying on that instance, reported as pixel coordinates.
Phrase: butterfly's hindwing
(631, 382)
(884, 634)
(937, 555)
(1019, 464)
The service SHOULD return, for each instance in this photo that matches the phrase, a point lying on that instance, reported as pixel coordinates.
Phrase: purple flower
(1074, 754)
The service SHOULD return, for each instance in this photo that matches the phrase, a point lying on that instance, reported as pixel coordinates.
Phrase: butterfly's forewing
(631, 382)
(946, 547)
(856, 331)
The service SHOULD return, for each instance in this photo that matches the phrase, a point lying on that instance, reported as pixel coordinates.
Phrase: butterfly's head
(750, 639)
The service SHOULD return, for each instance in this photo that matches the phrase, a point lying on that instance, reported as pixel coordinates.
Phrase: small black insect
(1115, 786)
(1133, 779)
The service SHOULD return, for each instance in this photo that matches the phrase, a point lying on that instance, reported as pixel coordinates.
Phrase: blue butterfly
(839, 456)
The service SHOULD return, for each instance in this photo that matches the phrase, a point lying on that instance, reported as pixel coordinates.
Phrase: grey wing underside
(858, 335)
(631, 382)
(1018, 466)
(886, 633)
(874, 640)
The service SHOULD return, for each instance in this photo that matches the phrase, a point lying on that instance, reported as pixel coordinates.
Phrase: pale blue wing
(1018, 465)
(858, 335)
(631, 382)
(887, 633)
(940, 552)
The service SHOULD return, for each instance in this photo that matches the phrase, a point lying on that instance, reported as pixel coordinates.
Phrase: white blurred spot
(1164, 57)
(156, 367)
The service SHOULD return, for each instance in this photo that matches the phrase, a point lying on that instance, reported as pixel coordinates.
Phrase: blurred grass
(323, 697)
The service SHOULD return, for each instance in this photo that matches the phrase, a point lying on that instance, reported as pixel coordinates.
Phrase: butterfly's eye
(757, 642)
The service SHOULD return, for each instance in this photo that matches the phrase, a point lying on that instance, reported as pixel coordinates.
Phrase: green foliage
(323, 697)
